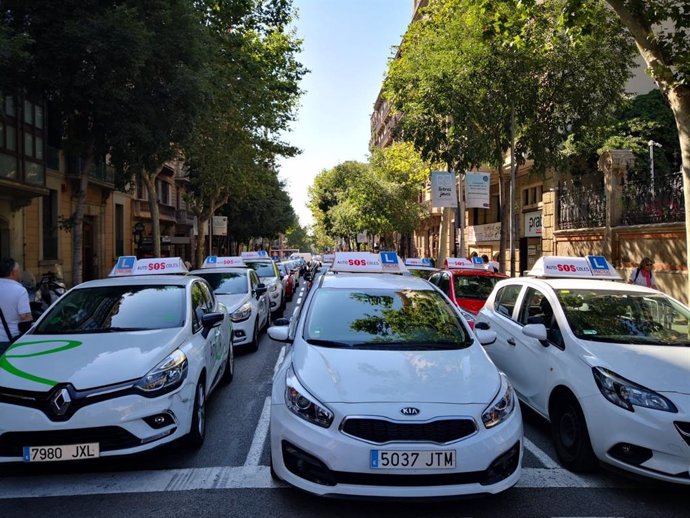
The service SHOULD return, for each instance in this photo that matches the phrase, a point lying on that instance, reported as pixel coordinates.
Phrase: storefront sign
(533, 224)
(488, 232)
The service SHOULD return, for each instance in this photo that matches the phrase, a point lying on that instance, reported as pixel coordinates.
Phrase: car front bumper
(328, 462)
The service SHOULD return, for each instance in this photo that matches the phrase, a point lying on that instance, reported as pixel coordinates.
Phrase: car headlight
(502, 406)
(627, 394)
(272, 287)
(166, 376)
(243, 313)
(303, 404)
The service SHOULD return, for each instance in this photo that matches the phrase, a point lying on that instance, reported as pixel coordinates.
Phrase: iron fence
(660, 201)
(582, 202)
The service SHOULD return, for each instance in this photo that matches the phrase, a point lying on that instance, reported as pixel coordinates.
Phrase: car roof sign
(259, 254)
(417, 261)
(589, 267)
(328, 258)
(461, 262)
(365, 262)
(213, 261)
(130, 265)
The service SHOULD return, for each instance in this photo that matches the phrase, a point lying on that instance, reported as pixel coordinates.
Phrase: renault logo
(60, 401)
(409, 410)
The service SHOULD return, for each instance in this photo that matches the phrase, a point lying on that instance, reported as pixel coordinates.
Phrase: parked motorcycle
(48, 290)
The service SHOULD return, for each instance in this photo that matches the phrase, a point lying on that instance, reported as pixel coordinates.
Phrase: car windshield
(474, 286)
(116, 308)
(263, 269)
(226, 283)
(384, 319)
(422, 274)
(625, 317)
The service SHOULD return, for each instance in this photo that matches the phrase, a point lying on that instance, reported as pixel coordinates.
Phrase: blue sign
(426, 261)
(126, 262)
(477, 260)
(389, 258)
(212, 259)
(597, 262)
(276, 258)
(263, 253)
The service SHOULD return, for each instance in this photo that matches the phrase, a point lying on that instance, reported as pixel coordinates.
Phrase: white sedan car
(116, 366)
(242, 292)
(606, 363)
(386, 392)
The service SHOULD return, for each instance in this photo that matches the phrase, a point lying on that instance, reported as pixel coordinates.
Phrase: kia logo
(409, 410)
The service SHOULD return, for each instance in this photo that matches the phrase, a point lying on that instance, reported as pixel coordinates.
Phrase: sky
(346, 47)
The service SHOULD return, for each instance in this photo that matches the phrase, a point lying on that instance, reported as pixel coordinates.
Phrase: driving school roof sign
(418, 261)
(129, 265)
(589, 267)
(364, 262)
(259, 254)
(213, 261)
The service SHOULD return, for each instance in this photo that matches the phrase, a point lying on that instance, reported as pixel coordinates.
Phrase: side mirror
(279, 333)
(536, 331)
(260, 289)
(483, 326)
(209, 321)
(484, 337)
(281, 322)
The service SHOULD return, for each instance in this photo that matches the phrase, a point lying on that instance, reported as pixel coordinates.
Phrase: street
(230, 474)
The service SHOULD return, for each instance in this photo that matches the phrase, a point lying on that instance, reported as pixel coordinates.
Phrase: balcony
(140, 209)
(101, 173)
(184, 217)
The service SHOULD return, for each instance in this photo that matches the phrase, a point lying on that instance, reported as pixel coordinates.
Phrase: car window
(536, 309)
(384, 319)
(505, 300)
(110, 308)
(199, 306)
(444, 283)
(434, 278)
(625, 317)
(254, 279)
(474, 286)
(225, 283)
(210, 299)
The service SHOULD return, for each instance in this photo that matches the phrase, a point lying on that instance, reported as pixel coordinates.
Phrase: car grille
(109, 438)
(684, 430)
(381, 431)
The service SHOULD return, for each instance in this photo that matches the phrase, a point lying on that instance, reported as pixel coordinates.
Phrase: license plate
(397, 459)
(57, 453)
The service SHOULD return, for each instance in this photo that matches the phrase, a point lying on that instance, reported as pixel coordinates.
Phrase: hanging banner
(443, 192)
(220, 225)
(477, 190)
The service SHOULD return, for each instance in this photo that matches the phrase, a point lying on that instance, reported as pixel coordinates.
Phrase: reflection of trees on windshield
(418, 317)
(226, 283)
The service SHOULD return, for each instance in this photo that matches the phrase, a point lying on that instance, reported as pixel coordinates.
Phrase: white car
(240, 289)
(385, 392)
(606, 363)
(116, 366)
(268, 272)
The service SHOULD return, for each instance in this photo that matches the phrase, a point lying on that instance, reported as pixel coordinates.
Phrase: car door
(261, 301)
(203, 303)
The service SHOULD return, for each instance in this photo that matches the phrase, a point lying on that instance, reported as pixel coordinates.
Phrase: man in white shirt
(494, 265)
(14, 302)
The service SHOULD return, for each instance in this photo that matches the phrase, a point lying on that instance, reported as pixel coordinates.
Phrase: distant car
(385, 392)
(117, 366)
(467, 285)
(240, 289)
(288, 279)
(605, 362)
(420, 267)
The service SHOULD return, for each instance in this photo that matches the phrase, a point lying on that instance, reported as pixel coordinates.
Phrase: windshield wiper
(119, 329)
(327, 343)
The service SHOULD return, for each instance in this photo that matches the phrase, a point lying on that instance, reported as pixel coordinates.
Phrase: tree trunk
(503, 213)
(150, 182)
(201, 240)
(78, 219)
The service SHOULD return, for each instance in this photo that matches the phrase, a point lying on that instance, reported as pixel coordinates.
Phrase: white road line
(299, 301)
(279, 360)
(239, 477)
(257, 447)
(540, 454)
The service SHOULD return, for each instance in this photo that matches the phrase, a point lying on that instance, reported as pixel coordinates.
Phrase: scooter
(48, 290)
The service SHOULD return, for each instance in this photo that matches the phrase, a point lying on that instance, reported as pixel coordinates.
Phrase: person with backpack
(643, 275)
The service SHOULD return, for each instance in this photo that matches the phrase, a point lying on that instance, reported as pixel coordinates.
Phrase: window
(38, 121)
(119, 230)
(9, 106)
(28, 144)
(226, 283)
(28, 112)
(506, 299)
(10, 138)
(163, 189)
(50, 226)
(531, 195)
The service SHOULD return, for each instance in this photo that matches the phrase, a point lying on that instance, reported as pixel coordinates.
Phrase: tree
(298, 237)
(461, 92)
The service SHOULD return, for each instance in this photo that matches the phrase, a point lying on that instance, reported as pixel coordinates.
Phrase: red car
(467, 286)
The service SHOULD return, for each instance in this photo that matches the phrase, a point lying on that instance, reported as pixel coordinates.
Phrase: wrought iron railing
(662, 202)
(582, 202)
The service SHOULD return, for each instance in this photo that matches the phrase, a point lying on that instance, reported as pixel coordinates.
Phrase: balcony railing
(644, 203)
(100, 171)
(582, 202)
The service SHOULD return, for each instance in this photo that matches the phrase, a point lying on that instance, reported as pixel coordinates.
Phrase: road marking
(540, 454)
(260, 434)
(279, 360)
(192, 479)
(299, 301)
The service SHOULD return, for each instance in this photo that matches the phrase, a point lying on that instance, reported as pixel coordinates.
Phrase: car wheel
(197, 433)
(254, 344)
(571, 438)
(229, 372)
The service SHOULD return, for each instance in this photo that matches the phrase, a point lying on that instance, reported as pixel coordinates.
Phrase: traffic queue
(391, 385)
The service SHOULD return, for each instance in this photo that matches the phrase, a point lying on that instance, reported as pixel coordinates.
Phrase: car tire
(571, 438)
(254, 344)
(229, 372)
(197, 432)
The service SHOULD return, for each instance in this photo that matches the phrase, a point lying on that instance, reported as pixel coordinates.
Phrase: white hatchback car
(268, 272)
(606, 363)
(385, 392)
(116, 366)
(242, 292)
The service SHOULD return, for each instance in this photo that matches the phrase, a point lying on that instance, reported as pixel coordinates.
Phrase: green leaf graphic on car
(13, 353)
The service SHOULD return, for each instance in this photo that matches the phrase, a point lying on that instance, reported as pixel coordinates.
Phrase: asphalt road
(229, 475)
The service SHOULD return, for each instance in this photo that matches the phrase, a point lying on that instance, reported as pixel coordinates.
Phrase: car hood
(38, 362)
(269, 280)
(234, 301)
(366, 376)
(659, 368)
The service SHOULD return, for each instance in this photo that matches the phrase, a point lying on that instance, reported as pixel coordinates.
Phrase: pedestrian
(643, 275)
(15, 312)
(485, 258)
(494, 265)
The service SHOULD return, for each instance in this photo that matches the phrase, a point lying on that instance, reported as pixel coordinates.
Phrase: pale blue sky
(347, 44)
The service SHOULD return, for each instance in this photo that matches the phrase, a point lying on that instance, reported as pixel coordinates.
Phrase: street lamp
(651, 144)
